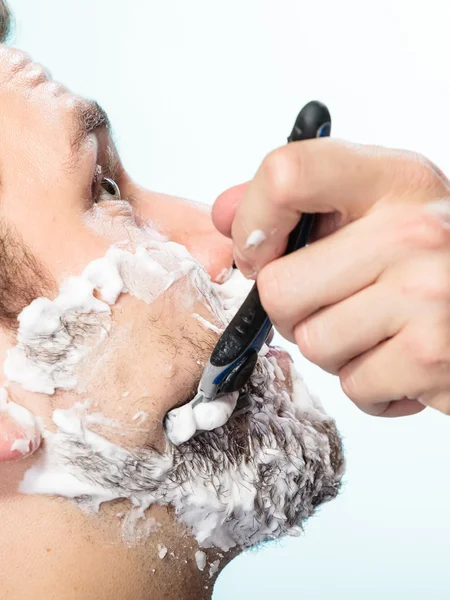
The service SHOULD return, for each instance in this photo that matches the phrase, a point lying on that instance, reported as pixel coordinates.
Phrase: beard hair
(22, 276)
(258, 477)
(5, 21)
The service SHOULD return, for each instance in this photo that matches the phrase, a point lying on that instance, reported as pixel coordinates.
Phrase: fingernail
(246, 268)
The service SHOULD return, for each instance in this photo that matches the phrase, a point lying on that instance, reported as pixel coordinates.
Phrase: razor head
(240, 374)
(216, 381)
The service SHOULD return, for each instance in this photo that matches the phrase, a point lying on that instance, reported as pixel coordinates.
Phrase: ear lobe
(16, 441)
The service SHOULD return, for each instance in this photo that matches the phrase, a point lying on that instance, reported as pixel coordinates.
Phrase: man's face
(56, 219)
(257, 477)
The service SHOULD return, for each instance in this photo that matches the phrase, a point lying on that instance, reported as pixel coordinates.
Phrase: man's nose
(189, 223)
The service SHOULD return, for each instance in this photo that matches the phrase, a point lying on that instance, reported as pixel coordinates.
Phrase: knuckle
(349, 386)
(437, 285)
(421, 229)
(427, 350)
(442, 405)
(308, 340)
(422, 173)
(425, 354)
(438, 400)
(430, 281)
(271, 292)
(280, 170)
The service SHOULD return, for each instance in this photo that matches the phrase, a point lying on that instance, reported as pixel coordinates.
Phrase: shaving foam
(54, 336)
(200, 559)
(257, 477)
(254, 477)
(183, 422)
(255, 239)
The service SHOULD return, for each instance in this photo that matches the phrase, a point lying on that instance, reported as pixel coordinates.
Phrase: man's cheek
(150, 362)
(116, 221)
(214, 254)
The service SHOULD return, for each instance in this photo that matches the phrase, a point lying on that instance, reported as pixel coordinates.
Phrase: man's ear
(5, 21)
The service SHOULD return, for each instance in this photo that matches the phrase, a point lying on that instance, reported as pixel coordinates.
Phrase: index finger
(315, 176)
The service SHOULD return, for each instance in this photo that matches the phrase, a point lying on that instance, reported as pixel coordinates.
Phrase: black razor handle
(245, 335)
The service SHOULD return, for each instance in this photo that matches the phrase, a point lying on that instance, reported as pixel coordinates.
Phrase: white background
(198, 92)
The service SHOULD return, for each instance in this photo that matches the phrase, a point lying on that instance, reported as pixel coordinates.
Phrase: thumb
(318, 176)
(19, 431)
(224, 208)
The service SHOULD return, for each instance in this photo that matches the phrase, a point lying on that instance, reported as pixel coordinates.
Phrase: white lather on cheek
(226, 493)
(48, 342)
(54, 336)
(206, 324)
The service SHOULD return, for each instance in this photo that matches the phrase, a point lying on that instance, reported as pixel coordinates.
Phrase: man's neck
(68, 554)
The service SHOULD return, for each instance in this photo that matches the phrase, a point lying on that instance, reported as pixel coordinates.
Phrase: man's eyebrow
(89, 117)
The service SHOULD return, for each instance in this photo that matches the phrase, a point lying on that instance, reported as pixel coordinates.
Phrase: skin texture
(365, 194)
(375, 311)
(66, 553)
(261, 475)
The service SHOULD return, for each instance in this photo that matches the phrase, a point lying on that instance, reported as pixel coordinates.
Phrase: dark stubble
(22, 277)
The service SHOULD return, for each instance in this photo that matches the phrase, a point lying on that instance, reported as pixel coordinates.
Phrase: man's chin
(263, 473)
(190, 418)
(258, 477)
